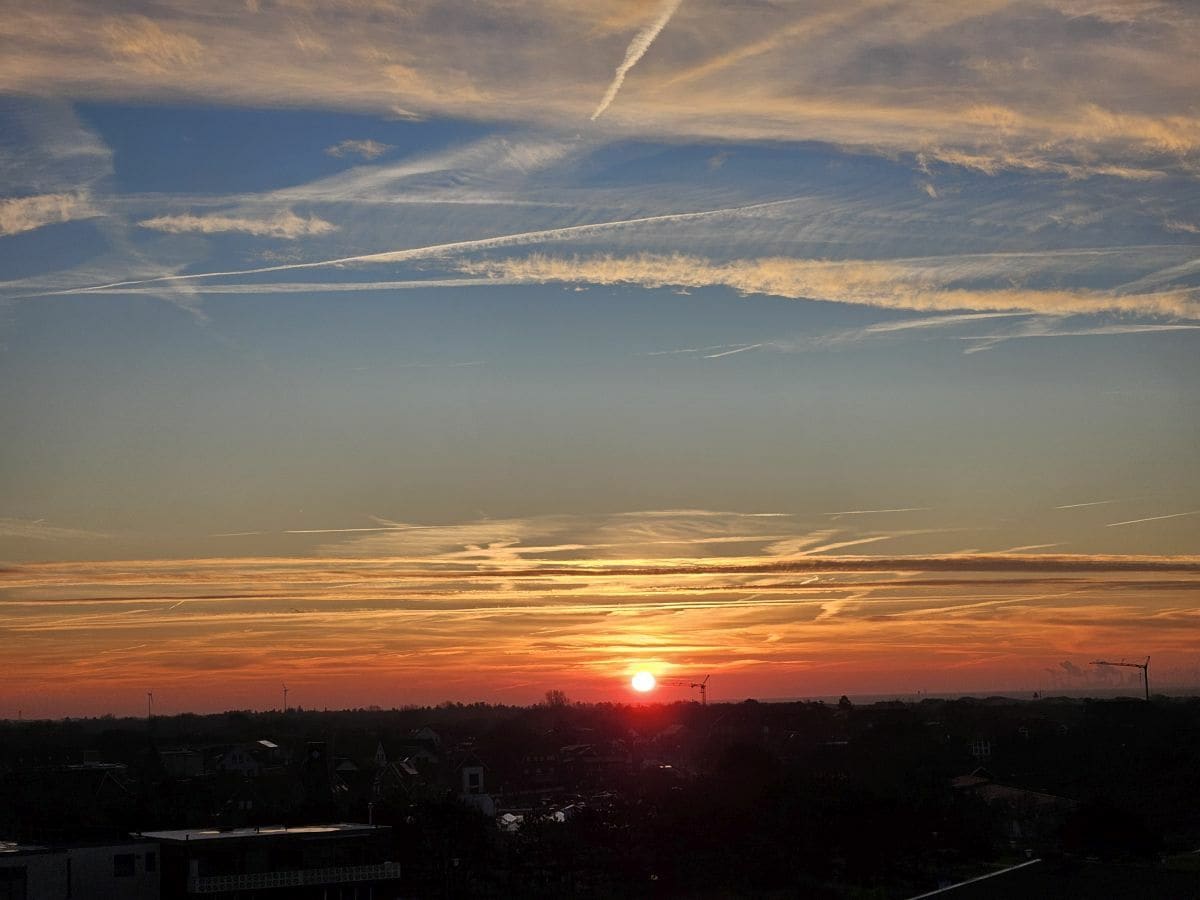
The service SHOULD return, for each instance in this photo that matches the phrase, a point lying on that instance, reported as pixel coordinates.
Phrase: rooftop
(221, 834)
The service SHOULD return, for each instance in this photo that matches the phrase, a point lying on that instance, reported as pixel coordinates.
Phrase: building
(323, 862)
(471, 787)
(125, 871)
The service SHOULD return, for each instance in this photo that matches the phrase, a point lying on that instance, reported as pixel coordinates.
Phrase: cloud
(1179, 227)
(448, 248)
(636, 50)
(1042, 86)
(147, 47)
(350, 629)
(367, 149)
(285, 224)
(18, 214)
(888, 284)
(41, 530)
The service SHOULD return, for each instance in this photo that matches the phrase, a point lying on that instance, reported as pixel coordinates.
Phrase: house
(310, 862)
(1025, 817)
(239, 760)
(182, 762)
(250, 759)
(120, 871)
(471, 785)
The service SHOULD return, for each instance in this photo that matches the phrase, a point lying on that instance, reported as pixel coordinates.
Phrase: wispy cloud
(890, 284)
(1181, 227)
(968, 86)
(449, 632)
(448, 248)
(367, 149)
(41, 530)
(284, 224)
(147, 47)
(636, 50)
(18, 214)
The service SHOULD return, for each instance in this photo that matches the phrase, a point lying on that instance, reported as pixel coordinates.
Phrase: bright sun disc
(643, 681)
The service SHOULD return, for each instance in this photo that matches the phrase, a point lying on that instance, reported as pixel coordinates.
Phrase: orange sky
(89, 638)
(410, 352)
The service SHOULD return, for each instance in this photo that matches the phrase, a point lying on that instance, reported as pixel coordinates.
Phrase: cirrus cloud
(367, 149)
(18, 214)
(889, 284)
(284, 224)
(1045, 85)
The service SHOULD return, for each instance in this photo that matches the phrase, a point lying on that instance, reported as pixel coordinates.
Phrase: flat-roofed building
(342, 861)
(122, 871)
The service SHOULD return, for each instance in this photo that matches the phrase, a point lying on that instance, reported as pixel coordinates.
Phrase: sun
(644, 681)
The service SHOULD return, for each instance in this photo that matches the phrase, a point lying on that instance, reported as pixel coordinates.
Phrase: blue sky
(919, 279)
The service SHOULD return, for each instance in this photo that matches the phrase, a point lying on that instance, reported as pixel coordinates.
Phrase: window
(151, 861)
(123, 865)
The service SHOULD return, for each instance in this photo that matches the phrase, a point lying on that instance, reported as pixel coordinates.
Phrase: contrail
(637, 48)
(1092, 503)
(387, 256)
(731, 352)
(342, 530)
(284, 287)
(1154, 518)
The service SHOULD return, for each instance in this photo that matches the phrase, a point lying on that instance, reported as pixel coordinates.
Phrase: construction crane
(687, 683)
(1144, 666)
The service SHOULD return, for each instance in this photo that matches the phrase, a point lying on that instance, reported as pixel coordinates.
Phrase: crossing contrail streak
(731, 352)
(636, 50)
(1154, 518)
(387, 256)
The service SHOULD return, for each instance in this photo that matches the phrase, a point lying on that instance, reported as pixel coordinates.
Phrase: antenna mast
(285, 693)
(1144, 666)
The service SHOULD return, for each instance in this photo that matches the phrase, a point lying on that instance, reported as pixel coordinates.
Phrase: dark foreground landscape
(888, 800)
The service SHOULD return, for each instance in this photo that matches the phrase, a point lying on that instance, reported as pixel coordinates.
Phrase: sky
(406, 352)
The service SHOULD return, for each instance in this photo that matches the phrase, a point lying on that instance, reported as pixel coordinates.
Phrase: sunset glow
(412, 353)
(644, 681)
